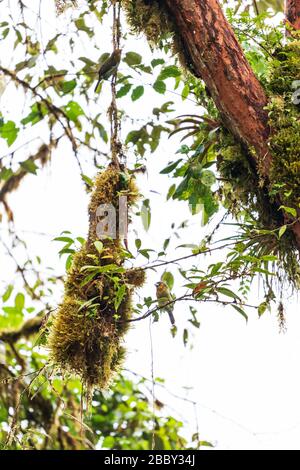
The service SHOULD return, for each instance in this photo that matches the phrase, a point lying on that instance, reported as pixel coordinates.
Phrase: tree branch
(190, 298)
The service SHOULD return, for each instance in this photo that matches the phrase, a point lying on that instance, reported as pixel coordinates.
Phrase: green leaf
(146, 214)
(69, 262)
(145, 253)
(9, 132)
(168, 278)
(63, 239)
(289, 210)
(171, 191)
(185, 336)
(29, 166)
(124, 90)
(205, 444)
(215, 268)
(269, 258)
(241, 311)
(81, 26)
(20, 301)
(168, 72)
(156, 62)
(88, 304)
(208, 178)
(73, 110)
(138, 243)
(91, 63)
(38, 111)
(282, 231)
(120, 294)
(13, 318)
(51, 45)
(108, 442)
(98, 246)
(67, 87)
(185, 92)
(228, 293)
(181, 189)
(137, 93)
(5, 33)
(7, 293)
(262, 308)
(102, 132)
(5, 173)
(170, 167)
(166, 243)
(184, 149)
(87, 180)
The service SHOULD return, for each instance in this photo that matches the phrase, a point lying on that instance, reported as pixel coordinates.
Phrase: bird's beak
(157, 284)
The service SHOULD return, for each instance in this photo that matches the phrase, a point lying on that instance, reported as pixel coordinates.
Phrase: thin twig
(190, 298)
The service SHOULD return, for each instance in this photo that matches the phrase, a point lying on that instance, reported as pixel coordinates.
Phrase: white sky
(244, 378)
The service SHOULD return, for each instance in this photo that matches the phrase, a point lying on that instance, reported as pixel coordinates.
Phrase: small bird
(164, 296)
(109, 66)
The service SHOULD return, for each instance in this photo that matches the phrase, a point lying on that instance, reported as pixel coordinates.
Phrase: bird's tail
(96, 87)
(172, 319)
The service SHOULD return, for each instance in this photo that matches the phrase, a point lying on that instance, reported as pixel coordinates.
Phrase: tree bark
(210, 46)
(216, 56)
(292, 13)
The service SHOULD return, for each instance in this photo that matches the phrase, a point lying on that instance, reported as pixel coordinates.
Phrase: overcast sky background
(244, 378)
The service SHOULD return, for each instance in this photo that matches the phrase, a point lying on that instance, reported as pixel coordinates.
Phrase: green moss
(148, 17)
(135, 277)
(88, 328)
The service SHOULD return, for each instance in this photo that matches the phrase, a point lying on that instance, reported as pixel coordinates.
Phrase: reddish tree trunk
(292, 13)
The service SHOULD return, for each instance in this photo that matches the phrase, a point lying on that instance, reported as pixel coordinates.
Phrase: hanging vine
(88, 328)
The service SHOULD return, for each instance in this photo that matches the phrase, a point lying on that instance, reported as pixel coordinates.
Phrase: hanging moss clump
(88, 328)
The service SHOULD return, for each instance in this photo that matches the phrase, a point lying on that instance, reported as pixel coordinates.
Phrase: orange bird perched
(164, 298)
